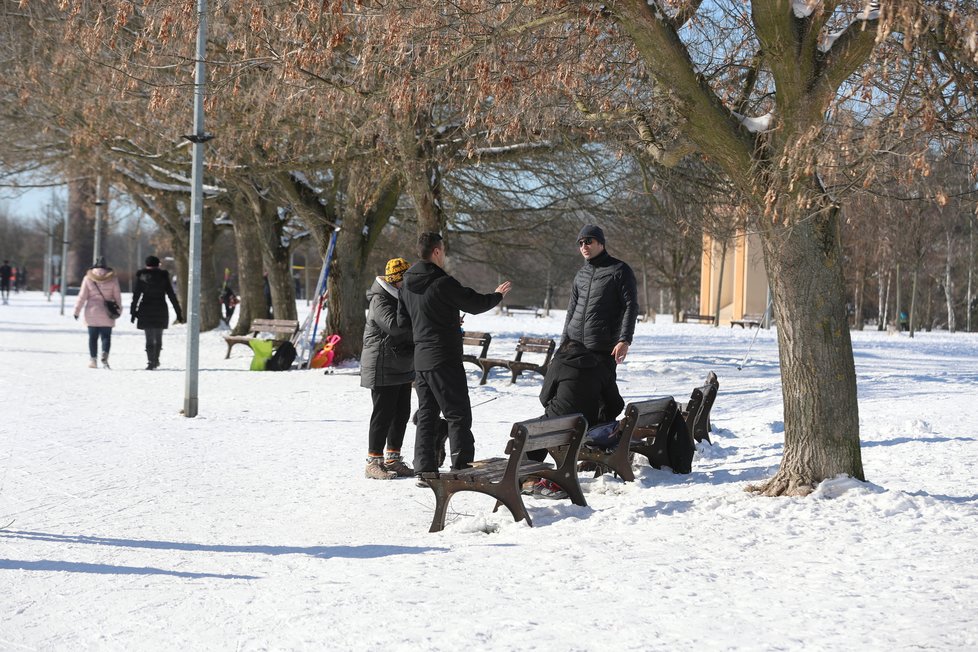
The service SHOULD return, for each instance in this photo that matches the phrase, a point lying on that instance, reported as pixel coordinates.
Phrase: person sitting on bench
(578, 381)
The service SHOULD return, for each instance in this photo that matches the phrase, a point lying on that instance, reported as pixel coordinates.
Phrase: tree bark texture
(818, 376)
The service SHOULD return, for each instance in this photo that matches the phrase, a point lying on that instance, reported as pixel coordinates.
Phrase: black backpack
(282, 359)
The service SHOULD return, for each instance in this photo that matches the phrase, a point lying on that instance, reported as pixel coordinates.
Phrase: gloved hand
(132, 318)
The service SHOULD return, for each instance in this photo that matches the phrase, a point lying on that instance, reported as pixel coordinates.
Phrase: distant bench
(539, 346)
(281, 330)
(748, 321)
(509, 311)
(500, 477)
(688, 317)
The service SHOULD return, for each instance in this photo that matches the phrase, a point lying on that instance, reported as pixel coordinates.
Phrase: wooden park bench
(509, 311)
(688, 317)
(281, 330)
(501, 477)
(535, 345)
(697, 412)
(645, 430)
(748, 321)
(474, 338)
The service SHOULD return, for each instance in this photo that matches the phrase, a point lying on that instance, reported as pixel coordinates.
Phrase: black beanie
(152, 261)
(591, 231)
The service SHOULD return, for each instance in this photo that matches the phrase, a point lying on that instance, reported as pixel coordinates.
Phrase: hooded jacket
(149, 299)
(579, 380)
(388, 352)
(99, 285)
(429, 304)
(603, 305)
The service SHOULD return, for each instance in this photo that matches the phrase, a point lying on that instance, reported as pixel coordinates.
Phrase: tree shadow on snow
(50, 565)
(325, 552)
(896, 441)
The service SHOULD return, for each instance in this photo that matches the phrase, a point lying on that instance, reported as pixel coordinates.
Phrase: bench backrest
(699, 425)
(475, 338)
(535, 345)
(548, 433)
(645, 419)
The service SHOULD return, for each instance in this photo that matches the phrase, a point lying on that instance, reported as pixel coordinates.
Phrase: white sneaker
(92, 363)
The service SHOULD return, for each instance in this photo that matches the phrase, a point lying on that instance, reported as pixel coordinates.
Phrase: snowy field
(251, 527)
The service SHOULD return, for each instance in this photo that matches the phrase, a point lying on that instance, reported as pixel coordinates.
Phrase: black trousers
(443, 390)
(388, 421)
(154, 343)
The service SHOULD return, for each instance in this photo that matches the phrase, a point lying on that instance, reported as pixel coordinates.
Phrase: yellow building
(743, 290)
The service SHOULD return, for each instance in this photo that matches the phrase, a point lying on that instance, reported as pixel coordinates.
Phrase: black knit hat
(591, 231)
(152, 261)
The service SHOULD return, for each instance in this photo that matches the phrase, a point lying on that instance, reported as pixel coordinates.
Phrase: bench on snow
(697, 411)
(748, 321)
(475, 338)
(535, 345)
(501, 477)
(281, 330)
(509, 311)
(645, 430)
(689, 316)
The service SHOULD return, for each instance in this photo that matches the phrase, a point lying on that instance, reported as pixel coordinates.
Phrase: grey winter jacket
(388, 352)
(603, 305)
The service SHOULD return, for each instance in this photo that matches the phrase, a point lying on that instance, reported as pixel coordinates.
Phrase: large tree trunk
(821, 415)
(421, 172)
(249, 286)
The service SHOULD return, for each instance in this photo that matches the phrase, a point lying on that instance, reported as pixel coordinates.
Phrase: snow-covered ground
(251, 527)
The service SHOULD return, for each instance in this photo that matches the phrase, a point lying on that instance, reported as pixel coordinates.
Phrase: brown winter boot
(396, 464)
(376, 471)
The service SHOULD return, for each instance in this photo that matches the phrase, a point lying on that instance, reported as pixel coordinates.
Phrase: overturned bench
(645, 430)
(534, 345)
(697, 412)
(500, 477)
(281, 330)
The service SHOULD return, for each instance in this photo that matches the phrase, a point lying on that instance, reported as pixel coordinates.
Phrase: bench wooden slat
(476, 338)
(282, 329)
(500, 477)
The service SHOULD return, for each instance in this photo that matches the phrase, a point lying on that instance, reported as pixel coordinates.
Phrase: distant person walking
(99, 286)
(387, 368)
(6, 273)
(604, 300)
(430, 301)
(149, 307)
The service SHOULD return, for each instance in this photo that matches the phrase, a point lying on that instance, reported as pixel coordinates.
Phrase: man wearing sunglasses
(604, 300)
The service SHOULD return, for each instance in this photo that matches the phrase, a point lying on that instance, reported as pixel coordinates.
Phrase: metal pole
(63, 281)
(198, 138)
(99, 203)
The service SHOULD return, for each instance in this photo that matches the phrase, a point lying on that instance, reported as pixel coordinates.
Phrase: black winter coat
(149, 299)
(579, 380)
(388, 352)
(603, 305)
(429, 304)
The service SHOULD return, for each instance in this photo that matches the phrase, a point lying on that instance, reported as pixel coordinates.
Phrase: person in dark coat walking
(430, 301)
(149, 307)
(387, 368)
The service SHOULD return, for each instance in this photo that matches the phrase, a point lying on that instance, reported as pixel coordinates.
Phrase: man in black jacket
(604, 300)
(429, 303)
(149, 296)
